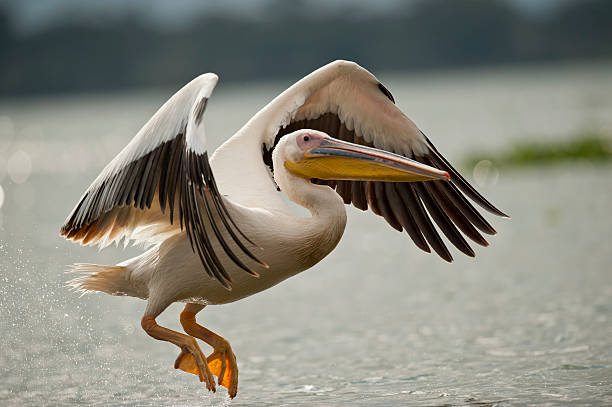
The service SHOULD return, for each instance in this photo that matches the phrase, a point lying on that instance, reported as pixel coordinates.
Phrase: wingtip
(499, 213)
(208, 77)
(225, 284)
(260, 262)
(447, 257)
(253, 273)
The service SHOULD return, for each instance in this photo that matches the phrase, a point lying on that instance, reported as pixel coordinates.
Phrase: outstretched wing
(160, 184)
(347, 102)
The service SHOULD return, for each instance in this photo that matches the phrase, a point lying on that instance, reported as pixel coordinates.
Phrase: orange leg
(189, 350)
(222, 362)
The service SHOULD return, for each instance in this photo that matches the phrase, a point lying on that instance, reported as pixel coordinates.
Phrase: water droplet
(485, 173)
(19, 167)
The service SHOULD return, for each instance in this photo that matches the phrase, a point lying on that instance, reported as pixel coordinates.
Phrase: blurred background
(64, 46)
(516, 93)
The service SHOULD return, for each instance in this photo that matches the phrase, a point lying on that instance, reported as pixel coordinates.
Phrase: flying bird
(218, 228)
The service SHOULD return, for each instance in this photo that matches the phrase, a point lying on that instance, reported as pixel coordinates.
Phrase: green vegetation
(588, 146)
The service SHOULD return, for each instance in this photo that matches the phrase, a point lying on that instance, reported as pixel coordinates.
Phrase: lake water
(377, 323)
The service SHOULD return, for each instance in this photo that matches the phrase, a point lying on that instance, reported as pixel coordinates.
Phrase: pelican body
(220, 230)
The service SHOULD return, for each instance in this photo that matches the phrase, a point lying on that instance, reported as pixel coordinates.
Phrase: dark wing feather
(404, 216)
(383, 205)
(454, 213)
(442, 220)
(415, 206)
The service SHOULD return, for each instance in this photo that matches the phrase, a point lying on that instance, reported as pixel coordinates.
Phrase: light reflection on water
(377, 322)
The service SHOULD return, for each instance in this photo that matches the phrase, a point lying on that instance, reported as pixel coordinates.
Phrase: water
(377, 323)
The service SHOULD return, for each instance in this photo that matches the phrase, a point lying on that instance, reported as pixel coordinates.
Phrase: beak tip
(447, 175)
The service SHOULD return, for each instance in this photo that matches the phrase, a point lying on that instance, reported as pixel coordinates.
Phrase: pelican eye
(308, 140)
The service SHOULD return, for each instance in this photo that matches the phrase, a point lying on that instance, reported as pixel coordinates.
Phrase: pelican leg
(190, 351)
(222, 362)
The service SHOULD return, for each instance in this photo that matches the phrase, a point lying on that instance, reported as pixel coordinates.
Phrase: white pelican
(214, 240)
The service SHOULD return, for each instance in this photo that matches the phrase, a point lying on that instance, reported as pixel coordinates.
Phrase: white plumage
(219, 229)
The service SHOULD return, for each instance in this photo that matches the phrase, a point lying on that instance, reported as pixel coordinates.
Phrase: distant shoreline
(103, 52)
(484, 72)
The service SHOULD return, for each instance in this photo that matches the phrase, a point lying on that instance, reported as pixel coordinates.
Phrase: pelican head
(313, 154)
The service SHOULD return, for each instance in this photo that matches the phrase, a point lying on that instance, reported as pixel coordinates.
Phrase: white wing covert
(163, 169)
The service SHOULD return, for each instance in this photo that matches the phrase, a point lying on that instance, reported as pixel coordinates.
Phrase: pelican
(218, 229)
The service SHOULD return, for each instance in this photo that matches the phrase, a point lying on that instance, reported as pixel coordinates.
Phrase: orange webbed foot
(194, 363)
(222, 363)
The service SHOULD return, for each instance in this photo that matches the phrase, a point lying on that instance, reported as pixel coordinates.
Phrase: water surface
(377, 323)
